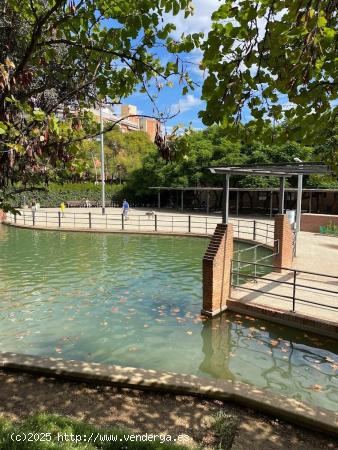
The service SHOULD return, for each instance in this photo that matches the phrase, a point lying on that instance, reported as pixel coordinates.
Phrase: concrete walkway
(144, 220)
(315, 253)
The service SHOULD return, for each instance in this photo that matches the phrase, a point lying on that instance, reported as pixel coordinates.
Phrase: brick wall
(217, 270)
(312, 222)
(284, 236)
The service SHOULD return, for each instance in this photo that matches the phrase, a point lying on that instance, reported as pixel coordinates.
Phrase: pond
(135, 301)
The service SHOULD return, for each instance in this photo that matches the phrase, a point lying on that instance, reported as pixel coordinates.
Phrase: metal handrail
(292, 283)
(188, 223)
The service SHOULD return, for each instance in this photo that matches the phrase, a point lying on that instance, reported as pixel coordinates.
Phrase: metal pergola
(282, 171)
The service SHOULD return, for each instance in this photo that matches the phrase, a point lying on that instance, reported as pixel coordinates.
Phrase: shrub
(54, 194)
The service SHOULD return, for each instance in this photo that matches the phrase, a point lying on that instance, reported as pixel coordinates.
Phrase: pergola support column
(225, 212)
(271, 203)
(299, 201)
(237, 203)
(281, 194)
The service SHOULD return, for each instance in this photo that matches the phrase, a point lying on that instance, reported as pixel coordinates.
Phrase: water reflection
(271, 357)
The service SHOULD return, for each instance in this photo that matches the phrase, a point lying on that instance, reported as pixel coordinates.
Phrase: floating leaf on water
(145, 325)
(114, 309)
(316, 387)
(132, 349)
(189, 332)
(58, 350)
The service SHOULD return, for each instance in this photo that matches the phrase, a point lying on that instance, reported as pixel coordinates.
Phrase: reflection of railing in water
(243, 228)
(274, 352)
(311, 287)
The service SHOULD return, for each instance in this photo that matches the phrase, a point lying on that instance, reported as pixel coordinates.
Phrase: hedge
(54, 194)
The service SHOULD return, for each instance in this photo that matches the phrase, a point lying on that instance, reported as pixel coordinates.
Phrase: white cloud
(200, 21)
(186, 103)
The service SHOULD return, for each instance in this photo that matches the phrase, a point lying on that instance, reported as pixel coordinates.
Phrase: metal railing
(295, 283)
(241, 263)
(148, 221)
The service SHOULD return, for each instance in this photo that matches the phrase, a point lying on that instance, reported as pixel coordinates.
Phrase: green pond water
(135, 301)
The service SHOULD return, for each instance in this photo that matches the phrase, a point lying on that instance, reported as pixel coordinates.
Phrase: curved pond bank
(135, 301)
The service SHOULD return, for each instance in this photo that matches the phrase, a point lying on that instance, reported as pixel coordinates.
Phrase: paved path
(306, 291)
(142, 220)
(315, 253)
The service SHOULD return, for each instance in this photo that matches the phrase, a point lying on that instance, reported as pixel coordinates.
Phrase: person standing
(62, 209)
(125, 209)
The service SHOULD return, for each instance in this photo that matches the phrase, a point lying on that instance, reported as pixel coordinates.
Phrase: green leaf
(39, 115)
(3, 128)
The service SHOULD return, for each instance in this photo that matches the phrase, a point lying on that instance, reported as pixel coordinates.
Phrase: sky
(171, 99)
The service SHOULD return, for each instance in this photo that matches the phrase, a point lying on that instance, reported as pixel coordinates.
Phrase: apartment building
(128, 120)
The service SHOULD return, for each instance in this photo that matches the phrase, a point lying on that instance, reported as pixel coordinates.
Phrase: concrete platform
(267, 301)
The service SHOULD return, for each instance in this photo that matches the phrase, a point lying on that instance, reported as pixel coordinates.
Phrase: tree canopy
(276, 60)
(196, 151)
(59, 57)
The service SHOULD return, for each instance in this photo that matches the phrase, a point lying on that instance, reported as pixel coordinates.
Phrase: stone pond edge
(243, 394)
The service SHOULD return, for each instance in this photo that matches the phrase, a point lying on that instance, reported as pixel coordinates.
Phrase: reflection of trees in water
(226, 345)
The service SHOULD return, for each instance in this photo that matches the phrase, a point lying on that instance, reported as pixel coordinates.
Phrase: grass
(43, 430)
(225, 427)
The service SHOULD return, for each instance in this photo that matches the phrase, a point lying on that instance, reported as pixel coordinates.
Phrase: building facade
(128, 120)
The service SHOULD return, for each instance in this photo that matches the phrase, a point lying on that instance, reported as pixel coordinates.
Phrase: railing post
(294, 291)
(255, 261)
(189, 224)
(90, 219)
(172, 223)
(46, 220)
(24, 218)
(14, 217)
(206, 225)
(232, 275)
(59, 215)
(155, 222)
(122, 217)
(254, 230)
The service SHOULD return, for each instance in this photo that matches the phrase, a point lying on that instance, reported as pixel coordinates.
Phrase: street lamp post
(103, 178)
